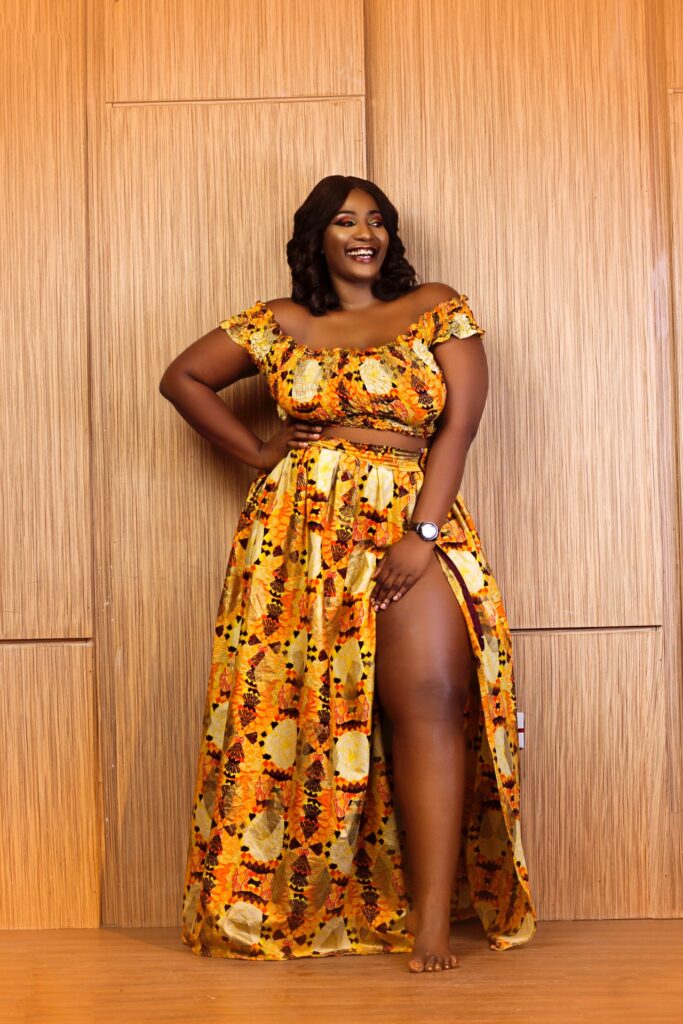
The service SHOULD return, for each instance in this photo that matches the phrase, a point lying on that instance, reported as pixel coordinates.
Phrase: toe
(416, 964)
(453, 961)
(429, 962)
(438, 966)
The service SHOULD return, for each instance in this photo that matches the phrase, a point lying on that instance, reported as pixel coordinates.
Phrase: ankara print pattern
(395, 386)
(295, 847)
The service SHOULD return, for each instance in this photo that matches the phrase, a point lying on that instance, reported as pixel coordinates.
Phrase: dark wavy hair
(311, 282)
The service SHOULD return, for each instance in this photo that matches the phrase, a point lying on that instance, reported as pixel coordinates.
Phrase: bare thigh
(424, 661)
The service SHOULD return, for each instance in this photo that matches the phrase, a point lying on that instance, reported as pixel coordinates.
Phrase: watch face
(429, 531)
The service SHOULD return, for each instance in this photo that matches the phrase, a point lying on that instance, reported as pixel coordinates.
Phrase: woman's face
(355, 229)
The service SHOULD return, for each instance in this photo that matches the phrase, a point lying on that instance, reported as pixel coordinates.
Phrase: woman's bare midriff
(369, 435)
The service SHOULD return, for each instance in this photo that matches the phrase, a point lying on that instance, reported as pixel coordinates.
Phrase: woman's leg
(424, 667)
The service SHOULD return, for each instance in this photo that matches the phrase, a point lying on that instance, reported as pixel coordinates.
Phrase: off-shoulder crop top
(394, 386)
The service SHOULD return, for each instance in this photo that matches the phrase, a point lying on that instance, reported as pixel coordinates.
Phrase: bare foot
(431, 949)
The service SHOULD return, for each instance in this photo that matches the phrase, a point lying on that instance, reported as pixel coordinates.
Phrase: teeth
(361, 252)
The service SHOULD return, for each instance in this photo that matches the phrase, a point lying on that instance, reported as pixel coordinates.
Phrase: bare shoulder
(291, 316)
(431, 293)
(282, 305)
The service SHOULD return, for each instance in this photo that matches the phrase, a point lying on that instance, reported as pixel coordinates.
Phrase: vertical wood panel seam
(95, 754)
(367, 99)
(107, 790)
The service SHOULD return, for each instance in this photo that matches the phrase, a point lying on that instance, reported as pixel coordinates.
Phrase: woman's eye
(349, 223)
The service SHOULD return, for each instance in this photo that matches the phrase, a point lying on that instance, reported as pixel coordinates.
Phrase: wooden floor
(570, 972)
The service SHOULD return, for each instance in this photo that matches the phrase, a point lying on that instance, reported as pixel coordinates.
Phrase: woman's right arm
(190, 384)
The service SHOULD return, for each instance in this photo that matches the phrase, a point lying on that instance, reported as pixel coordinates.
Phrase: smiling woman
(357, 595)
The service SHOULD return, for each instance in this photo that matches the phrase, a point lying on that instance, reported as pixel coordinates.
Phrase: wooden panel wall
(230, 49)
(49, 787)
(205, 141)
(49, 812)
(666, 26)
(528, 168)
(521, 168)
(45, 529)
(155, 155)
(595, 801)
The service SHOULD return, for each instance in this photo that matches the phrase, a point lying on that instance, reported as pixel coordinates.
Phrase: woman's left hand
(399, 569)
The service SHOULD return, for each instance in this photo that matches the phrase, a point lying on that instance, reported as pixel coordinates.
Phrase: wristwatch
(426, 530)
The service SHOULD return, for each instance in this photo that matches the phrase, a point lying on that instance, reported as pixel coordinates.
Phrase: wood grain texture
(537, 165)
(45, 527)
(229, 49)
(592, 972)
(519, 164)
(198, 207)
(595, 800)
(50, 812)
(669, 15)
(666, 171)
(676, 710)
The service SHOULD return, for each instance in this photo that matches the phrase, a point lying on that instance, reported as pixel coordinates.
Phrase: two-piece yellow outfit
(294, 848)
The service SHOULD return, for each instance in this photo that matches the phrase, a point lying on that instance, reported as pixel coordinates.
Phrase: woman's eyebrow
(353, 211)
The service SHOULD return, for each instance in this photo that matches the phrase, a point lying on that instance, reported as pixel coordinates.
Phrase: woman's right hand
(294, 434)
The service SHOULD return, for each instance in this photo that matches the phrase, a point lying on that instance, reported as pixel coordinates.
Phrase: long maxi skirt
(295, 845)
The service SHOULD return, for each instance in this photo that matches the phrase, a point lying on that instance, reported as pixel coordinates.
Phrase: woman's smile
(362, 254)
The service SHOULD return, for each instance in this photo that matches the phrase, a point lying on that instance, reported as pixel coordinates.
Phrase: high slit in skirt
(295, 847)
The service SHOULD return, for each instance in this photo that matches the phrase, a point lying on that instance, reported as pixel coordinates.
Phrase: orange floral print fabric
(295, 849)
(395, 386)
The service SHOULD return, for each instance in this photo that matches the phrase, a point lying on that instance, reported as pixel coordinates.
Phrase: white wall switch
(520, 728)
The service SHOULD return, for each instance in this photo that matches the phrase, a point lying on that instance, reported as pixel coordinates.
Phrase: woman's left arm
(465, 369)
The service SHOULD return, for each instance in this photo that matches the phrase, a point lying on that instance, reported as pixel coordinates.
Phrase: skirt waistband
(386, 454)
